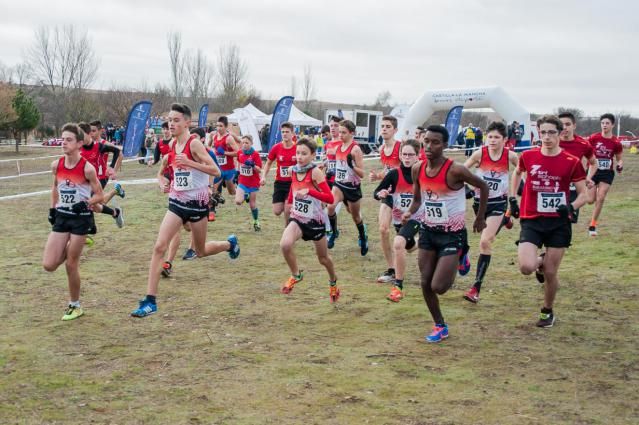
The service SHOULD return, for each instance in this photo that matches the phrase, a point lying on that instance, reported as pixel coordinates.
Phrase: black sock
(482, 266)
(399, 283)
(150, 298)
(361, 230)
(391, 271)
(333, 220)
(545, 310)
(107, 210)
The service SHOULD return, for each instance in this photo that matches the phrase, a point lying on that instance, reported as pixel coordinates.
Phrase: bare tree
(6, 73)
(174, 42)
(308, 87)
(117, 101)
(198, 75)
(232, 73)
(162, 99)
(23, 74)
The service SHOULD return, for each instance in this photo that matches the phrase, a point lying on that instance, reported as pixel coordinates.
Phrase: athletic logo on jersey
(534, 169)
(69, 183)
(431, 195)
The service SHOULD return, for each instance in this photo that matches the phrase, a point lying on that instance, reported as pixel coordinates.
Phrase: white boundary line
(42, 192)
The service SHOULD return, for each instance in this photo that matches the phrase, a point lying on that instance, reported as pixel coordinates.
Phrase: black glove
(80, 207)
(566, 211)
(349, 160)
(330, 173)
(470, 193)
(52, 214)
(619, 168)
(514, 207)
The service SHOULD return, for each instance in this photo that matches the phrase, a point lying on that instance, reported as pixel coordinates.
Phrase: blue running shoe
(234, 250)
(118, 190)
(439, 333)
(189, 254)
(146, 308)
(331, 239)
(464, 265)
(363, 243)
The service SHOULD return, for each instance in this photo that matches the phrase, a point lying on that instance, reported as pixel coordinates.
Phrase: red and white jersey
(307, 208)
(188, 184)
(402, 198)
(284, 158)
(95, 158)
(548, 181)
(605, 150)
(443, 208)
(391, 160)
(225, 162)
(343, 173)
(494, 173)
(331, 147)
(72, 185)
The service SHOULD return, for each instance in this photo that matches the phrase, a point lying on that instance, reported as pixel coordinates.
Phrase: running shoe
(334, 293)
(256, 225)
(246, 198)
(220, 198)
(539, 273)
(234, 250)
(395, 295)
(439, 333)
(291, 282)
(592, 231)
(363, 243)
(472, 295)
(464, 265)
(89, 241)
(211, 216)
(189, 254)
(386, 277)
(72, 312)
(546, 320)
(146, 308)
(119, 218)
(331, 239)
(118, 190)
(167, 269)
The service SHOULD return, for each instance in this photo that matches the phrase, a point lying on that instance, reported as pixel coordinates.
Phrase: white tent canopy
(298, 117)
(259, 117)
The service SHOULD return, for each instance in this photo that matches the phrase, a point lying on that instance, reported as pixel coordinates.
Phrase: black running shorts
(311, 231)
(408, 231)
(603, 176)
(351, 193)
(280, 191)
(551, 232)
(192, 211)
(103, 182)
(76, 225)
(444, 243)
(495, 207)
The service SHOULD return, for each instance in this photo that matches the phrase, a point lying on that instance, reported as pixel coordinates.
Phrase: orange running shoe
(291, 282)
(395, 295)
(334, 293)
(211, 216)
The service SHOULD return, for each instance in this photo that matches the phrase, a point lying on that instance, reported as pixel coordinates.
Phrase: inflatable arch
(488, 97)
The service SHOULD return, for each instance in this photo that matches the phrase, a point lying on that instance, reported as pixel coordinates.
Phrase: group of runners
(422, 194)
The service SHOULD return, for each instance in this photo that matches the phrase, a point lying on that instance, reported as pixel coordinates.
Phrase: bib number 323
(183, 181)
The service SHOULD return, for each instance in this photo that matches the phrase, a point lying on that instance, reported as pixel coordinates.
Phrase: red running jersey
(225, 162)
(331, 149)
(95, 158)
(392, 160)
(605, 150)
(284, 158)
(442, 207)
(248, 176)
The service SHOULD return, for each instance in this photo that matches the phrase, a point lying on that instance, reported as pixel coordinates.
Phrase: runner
(397, 186)
(116, 162)
(349, 170)
(389, 157)
(249, 182)
(93, 152)
(606, 147)
(283, 154)
(75, 191)
(438, 188)
(226, 150)
(579, 147)
(308, 219)
(330, 149)
(188, 202)
(493, 162)
(163, 146)
(545, 211)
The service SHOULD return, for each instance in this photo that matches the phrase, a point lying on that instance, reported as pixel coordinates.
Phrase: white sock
(75, 304)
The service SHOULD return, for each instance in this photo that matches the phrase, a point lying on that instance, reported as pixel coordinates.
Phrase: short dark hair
(96, 123)
(568, 115)
(165, 125)
(75, 129)
(391, 119)
(349, 125)
(199, 131)
(609, 116)
(308, 142)
(497, 126)
(411, 142)
(182, 108)
(336, 118)
(224, 120)
(550, 119)
(85, 127)
(288, 125)
(435, 128)
(325, 129)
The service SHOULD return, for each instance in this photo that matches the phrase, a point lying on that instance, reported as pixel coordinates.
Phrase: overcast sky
(545, 53)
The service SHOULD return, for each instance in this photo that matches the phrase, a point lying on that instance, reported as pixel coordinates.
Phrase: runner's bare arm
(92, 176)
(203, 161)
(54, 186)
(582, 194)
(464, 175)
(473, 160)
(515, 180)
(358, 159)
(265, 171)
(417, 194)
(513, 159)
(233, 145)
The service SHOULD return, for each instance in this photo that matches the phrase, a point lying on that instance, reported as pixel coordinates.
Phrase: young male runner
(226, 150)
(579, 147)
(389, 157)
(163, 146)
(75, 191)
(188, 202)
(607, 150)
(308, 219)
(349, 170)
(331, 148)
(438, 188)
(116, 163)
(283, 154)
(546, 212)
(397, 186)
(249, 180)
(493, 163)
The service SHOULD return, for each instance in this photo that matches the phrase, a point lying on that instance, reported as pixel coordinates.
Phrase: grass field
(227, 348)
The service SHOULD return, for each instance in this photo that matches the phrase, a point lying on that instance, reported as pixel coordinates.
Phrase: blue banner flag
(204, 113)
(135, 128)
(452, 123)
(280, 115)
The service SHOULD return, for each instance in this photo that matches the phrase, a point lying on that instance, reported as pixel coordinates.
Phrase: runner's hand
(479, 224)
(182, 160)
(470, 193)
(566, 211)
(52, 214)
(514, 207)
(301, 193)
(406, 217)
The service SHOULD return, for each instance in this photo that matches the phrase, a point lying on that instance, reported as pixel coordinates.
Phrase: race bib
(246, 171)
(340, 174)
(494, 185)
(303, 207)
(604, 164)
(331, 165)
(404, 201)
(68, 197)
(435, 212)
(285, 172)
(221, 159)
(182, 180)
(548, 202)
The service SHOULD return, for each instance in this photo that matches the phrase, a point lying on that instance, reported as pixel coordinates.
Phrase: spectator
(469, 133)
(514, 135)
